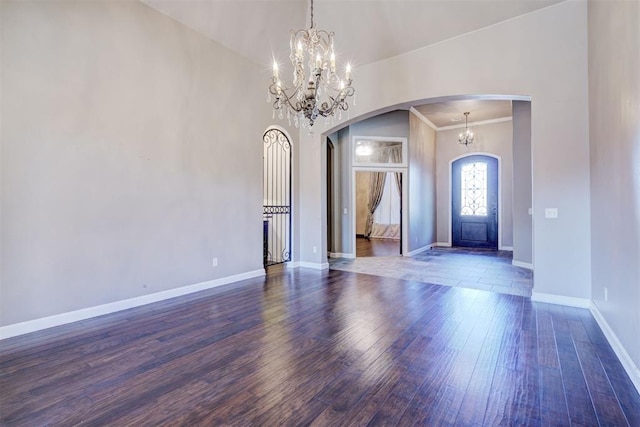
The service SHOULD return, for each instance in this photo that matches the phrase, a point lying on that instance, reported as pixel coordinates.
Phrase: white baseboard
(422, 249)
(506, 248)
(561, 300)
(99, 310)
(292, 264)
(443, 244)
(314, 265)
(341, 255)
(522, 264)
(618, 348)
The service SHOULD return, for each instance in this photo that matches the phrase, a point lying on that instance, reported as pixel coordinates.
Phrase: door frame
(449, 201)
(405, 205)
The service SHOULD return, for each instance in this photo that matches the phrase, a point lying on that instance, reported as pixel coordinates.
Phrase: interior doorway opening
(378, 212)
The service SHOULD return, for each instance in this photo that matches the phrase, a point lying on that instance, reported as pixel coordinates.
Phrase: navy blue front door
(474, 202)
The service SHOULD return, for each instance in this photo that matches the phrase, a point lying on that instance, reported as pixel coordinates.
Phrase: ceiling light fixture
(466, 137)
(317, 92)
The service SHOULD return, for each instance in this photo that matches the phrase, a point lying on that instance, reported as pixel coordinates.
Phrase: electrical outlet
(315, 249)
(214, 262)
(606, 294)
(344, 211)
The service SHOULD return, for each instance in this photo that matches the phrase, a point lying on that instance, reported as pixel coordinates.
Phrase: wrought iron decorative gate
(276, 209)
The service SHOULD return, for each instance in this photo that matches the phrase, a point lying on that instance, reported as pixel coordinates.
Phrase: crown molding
(419, 115)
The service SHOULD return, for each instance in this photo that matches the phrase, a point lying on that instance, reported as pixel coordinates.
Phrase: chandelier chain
(312, 14)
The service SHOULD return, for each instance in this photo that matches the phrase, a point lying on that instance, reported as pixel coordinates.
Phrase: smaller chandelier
(466, 137)
(317, 90)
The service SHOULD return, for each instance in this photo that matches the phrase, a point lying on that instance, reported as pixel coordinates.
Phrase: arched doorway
(276, 190)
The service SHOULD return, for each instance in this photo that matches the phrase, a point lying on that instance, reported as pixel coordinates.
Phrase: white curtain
(386, 218)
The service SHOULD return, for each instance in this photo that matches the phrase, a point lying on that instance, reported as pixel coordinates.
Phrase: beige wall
(614, 134)
(422, 184)
(342, 221)
(126, 163)
(493, 138)
(522, 219)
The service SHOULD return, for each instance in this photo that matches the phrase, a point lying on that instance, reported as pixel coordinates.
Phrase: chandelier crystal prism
(466, 137)
(316, 89)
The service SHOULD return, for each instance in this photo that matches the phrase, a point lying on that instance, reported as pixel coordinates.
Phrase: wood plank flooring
(308, 347)
(377, 247)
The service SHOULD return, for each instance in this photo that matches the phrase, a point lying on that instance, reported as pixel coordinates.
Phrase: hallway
(458, 267)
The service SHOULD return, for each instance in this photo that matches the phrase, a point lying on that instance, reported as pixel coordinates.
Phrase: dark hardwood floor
(326, 348)
(377, 247)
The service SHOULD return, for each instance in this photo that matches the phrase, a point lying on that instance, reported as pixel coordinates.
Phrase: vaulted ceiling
(366, 30)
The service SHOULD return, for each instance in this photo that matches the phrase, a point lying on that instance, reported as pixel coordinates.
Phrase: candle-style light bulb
(333, 62)
(348, 72)
(275, 69)
(318, 61)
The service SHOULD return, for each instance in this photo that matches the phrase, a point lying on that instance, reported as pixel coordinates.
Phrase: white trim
(561, 300)
(527, 265)
(422, 249)
(420, 116)
(112, 307)
(480, 123)
(292, 264)
(505, 248)
(500, 216)
(623, 356)
(402, 140)
(627, 362)
(443, 244)
(314, 265)
(340, 255)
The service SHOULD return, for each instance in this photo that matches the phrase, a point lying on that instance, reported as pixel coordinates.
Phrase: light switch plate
(551, 213)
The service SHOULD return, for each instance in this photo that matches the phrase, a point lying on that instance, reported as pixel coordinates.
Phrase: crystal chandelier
(317, 90)
(466, 137)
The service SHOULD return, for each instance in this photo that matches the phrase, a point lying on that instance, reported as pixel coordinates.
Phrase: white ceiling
(366, 31)
(451, 113)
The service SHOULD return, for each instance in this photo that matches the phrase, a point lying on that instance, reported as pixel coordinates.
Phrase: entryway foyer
(459, 267)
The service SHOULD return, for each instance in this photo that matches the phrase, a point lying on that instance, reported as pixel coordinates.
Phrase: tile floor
(461, 267)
